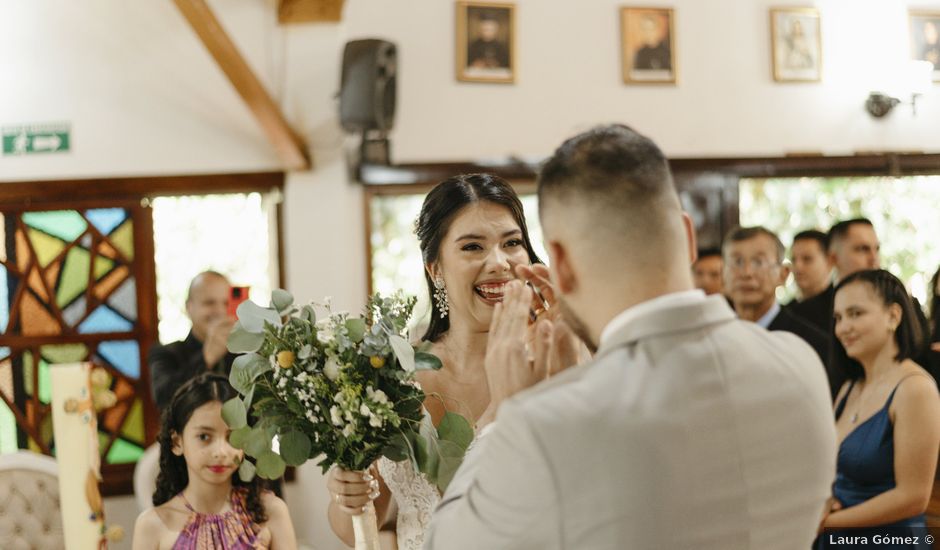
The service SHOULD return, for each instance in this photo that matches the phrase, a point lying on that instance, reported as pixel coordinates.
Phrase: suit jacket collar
(680, 318)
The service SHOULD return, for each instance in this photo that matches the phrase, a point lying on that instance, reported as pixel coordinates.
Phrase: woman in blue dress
(887, 420)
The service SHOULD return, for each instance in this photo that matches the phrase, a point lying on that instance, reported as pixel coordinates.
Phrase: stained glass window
(68, 294)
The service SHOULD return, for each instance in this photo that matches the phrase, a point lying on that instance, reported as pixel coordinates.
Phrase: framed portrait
(795, 44)
(925, 39)
(648, 46)
(486, 42)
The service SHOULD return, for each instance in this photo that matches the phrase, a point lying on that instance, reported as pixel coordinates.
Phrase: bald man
(205, 346)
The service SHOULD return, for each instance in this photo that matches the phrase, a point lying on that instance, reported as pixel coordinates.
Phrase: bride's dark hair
(438, 211)
(173, 477)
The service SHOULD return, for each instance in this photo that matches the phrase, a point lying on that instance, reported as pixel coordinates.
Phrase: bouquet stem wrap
(365, 529)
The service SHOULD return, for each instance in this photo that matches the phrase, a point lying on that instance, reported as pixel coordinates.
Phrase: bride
(473, 234)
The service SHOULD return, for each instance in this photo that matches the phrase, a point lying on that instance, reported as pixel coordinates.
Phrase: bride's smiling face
(478, 257)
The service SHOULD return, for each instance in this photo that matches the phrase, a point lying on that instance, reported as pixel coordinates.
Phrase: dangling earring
(440, 296)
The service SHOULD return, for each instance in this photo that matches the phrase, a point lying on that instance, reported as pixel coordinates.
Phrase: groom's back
(720, 437)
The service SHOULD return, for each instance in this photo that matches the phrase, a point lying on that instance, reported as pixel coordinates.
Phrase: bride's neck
(465, 349)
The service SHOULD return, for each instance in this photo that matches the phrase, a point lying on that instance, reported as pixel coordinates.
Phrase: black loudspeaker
(367, 85)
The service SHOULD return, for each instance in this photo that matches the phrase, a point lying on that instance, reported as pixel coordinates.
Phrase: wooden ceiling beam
(289, 145)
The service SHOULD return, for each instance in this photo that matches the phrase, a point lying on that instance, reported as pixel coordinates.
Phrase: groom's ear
(689, 226)
(565, 279)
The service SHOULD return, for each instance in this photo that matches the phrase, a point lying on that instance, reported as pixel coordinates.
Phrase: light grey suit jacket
(690, 429)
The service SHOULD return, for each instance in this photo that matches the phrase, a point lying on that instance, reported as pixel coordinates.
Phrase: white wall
(144, 98)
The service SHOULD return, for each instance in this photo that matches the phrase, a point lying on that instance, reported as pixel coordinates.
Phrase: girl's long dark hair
(934, 300)
(908, 335)
(438, 211)
(173, 477)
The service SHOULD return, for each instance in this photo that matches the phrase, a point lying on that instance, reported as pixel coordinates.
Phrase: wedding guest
(690, 429)
(204, 348)
(753, 270)
(199, 502)
(933, 349)
(887, 416)
(812, 267)
(707, 271)
(473, 234)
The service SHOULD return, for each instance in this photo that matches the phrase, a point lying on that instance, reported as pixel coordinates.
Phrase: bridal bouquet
(341, 388)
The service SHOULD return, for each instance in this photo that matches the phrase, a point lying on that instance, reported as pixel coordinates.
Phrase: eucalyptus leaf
(248, 397)
(242, 341)
(307, 313)
(234, 413)
(246, 472)
(245, 369)
(454, 428)
(450, 460)
(252, 317)
(427, 361)
(238, 437)
(258, 442)
(294, 447)
(356, 328)
(403, 351)
(281, 299)
(398, 448)
(427, 451)
(270, 465)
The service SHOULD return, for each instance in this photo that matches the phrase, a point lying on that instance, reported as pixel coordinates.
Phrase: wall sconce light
(919, 79)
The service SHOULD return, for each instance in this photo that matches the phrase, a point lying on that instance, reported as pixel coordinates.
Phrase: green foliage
(234, 413)
(342, 387)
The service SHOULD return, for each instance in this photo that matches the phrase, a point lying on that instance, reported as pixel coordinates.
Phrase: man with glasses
(753, 270)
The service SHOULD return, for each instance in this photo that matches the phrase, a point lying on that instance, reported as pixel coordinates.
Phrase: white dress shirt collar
(681, 298)
(768, 317)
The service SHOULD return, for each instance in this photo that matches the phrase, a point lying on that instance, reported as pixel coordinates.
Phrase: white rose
(331, 369)
(336, 416)
(364, 410)
(349, 430)
(379, 396)
(375, 421)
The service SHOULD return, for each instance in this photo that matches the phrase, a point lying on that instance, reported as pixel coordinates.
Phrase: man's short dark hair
(613, 167)
(839, 231)
(706, 252)
(739, 234)
(813, 235)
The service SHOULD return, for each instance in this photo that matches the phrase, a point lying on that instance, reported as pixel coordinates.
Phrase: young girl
(198, 504)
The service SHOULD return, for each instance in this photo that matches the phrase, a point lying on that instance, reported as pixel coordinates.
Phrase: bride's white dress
(416, 499)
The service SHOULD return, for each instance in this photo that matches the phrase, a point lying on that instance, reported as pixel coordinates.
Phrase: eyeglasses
(757, 264)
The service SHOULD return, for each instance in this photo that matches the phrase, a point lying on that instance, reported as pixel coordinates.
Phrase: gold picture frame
(925, 38)
(486, 42)
(796, 44)
(648, 45)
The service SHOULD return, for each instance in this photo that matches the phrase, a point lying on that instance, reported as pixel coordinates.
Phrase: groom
(690, 429)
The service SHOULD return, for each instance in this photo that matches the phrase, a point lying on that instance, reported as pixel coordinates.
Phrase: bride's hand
(352, 490)
(567, 348)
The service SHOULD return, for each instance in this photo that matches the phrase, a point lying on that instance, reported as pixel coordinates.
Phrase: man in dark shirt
(812, 270)
(753, 270)
(205, 346)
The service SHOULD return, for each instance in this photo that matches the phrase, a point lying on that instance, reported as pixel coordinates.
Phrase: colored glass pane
(6, 378)
(3, 238)
(103, 439)
(75, 312)
(102, 266)
(123, 239)
(106, 219)
(45, 246)
(52, 274)
(134, 423)
(86, 241)
(22, 251)
(65, 224)
(45, 382)
(123, 389)
(37, 285)
(123, 355)
(123, 452)
(7, 429)
(64, 353)
(110, 282)
(35, 319)
(104, 319)
(4, 299)
(74, 275)
(112, 418)
(124, 300)
(107, 250)
(27, 359)
(4, 352)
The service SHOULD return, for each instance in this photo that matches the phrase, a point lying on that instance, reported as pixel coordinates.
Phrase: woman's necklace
(861, 401)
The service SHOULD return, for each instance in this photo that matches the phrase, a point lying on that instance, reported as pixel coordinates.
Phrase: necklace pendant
(854, 418)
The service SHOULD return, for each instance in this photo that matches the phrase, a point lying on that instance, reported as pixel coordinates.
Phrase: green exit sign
(28, 139)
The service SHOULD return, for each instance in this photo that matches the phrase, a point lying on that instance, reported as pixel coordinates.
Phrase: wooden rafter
(289, 145)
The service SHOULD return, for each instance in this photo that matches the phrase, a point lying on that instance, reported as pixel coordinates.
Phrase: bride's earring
(440, 296)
